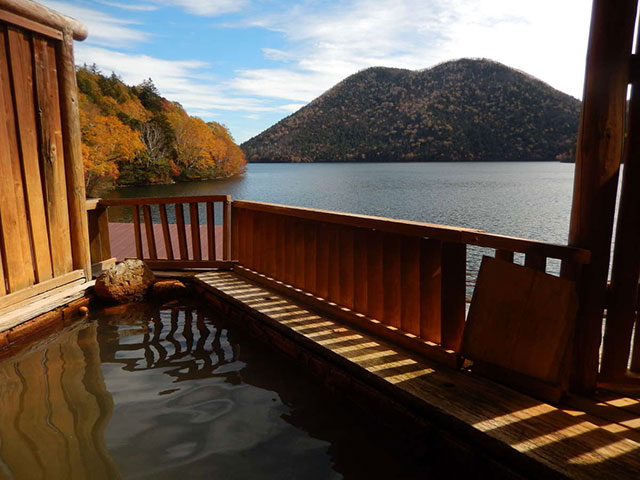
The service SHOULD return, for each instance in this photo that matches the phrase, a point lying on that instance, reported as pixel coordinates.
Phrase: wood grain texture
(182, 233)
(52, 154)
(520, 319)
(211, 231)
(598, 154)
(391, 279)
(431, 290)
(454, 277)
(226, 228)
(166, 233)
(194, 220)
(137, 231)
(149, 233)
(21, 61)
(410, 284)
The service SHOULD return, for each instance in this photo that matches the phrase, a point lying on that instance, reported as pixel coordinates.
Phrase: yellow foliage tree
(106, 141)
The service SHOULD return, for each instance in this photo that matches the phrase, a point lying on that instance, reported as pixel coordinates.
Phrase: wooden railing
(403, 279)
(176, 241)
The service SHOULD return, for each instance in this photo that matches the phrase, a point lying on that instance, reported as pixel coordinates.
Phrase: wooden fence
(405, 279)
(43, 235)
(169, 245)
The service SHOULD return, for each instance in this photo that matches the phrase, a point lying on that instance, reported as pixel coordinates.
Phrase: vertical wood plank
(17, 275)
(410, 275)
(95, 241)
(52, 154)
(3, 286)
(430, 289)
(298, 243)
(270, 246)
(182, 233)
(226, 230)
(535, 261)
(335, 282)
(249, 239)
(505, 255)
(166, 232)
(360, 279)
(310, 252)
(598, 154)
(151, 237)
(235, 235)
(454, 278)
(347, 235)
(103, 229)
(74, 166)
(22, 76)
(194, 219)
(392, 271)
(289, 251)
(375, 284)
(279, 248)
(137, 232)
(322, 261)
(211, 232)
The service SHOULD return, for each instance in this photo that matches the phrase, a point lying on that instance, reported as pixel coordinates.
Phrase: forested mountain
(463, 110)
(132, 135)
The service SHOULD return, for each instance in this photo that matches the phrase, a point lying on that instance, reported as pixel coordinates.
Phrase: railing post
(454, 284)
(226, 228)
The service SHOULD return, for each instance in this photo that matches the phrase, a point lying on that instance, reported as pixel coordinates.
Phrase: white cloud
(547, 39)
(134, 7)
(103, 28)
(182, 81)
(207, 8)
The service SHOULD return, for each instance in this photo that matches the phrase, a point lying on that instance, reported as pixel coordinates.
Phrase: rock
(126, 281)
(164, 290)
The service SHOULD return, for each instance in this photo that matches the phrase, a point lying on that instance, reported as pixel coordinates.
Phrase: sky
(250, 63)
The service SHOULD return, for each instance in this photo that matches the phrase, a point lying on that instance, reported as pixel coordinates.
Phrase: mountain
(462, 110)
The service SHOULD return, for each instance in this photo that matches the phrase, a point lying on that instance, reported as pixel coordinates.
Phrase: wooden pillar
(621, 312)
(74, 170)
(598, 155)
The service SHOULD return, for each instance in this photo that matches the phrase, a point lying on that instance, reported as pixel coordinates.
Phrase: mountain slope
(463, 110)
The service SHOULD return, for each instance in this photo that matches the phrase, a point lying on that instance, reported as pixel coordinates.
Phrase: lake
(529, 199)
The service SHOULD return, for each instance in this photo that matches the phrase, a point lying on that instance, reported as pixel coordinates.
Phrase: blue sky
(250, 63)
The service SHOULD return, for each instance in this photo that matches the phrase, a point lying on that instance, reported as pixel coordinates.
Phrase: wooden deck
(122, 244)
(582, 439)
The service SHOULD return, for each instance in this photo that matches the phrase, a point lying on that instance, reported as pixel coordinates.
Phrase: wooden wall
(41, 233)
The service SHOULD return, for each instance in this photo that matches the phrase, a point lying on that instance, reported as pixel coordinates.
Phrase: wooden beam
(598, 156)
(118, 202)
(183, 264)
(9, 301)
(621, 310)
(45, 16)
(74, 166)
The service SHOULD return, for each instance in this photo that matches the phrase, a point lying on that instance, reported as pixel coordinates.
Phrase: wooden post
(226, 228)
(598, 157)
(621, 313)
(74, 171)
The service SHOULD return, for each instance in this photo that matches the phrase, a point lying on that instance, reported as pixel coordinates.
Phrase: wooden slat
(537, 262)
(30, 25)
(289, 250)
(420, 229)
(430, 289)
(235, 236)
(148, 228)
(211, 232)
(115, 202)
(334, 263)
(279, 246)
(22, 76)
(226, 230)
(322, 261)
(454, 276)
(505, 255)
(375, 275)
(52, 154)
(346, 235)
(410, 284)
(310, 252)
(194, 218)
(103, 229)
(16, 266)
(137, 231)
(361, 278)
(166, 233)
(182, 233)
(3, 286)
(258, 242)
(182, 264)
(10, 301)
(270, 239)
(249, 239)
(299, 247)
(392, 271)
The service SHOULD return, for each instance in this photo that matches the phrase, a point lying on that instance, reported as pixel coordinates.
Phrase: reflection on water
(142, 391)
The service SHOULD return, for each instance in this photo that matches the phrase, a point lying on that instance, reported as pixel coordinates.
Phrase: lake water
(177, 391)
(531, 199)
